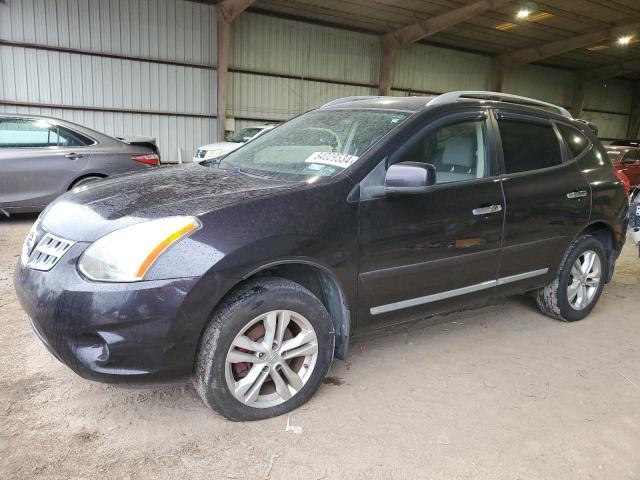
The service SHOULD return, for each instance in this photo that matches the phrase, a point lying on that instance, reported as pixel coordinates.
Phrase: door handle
(73, 156)
(577, 194)
(487, 210)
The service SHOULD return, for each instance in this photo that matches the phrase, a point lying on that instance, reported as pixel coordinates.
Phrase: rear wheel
(265, 352)
(574, 292)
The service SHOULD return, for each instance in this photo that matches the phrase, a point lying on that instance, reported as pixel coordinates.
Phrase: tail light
(147, 159)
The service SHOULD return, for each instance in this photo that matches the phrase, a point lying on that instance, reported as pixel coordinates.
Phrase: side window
(24, 133)
(458, 151)
(575, 140)
(67, 138)
(28, 133)
(528, 146)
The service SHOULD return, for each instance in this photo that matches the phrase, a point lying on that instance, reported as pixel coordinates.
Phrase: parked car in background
(234, 141)
(627, 161)
(43, 157)
(249, 274)
(625, 143)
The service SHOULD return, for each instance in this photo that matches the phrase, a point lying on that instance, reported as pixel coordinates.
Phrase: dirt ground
(496, 393)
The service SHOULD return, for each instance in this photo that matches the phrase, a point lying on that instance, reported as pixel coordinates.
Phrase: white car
(235, 141)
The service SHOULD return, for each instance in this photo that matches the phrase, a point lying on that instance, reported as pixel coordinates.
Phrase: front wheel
(575, 291)
(265, 351)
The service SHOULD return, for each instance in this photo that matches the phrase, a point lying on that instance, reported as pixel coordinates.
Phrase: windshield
(320, 143)
(243, 135)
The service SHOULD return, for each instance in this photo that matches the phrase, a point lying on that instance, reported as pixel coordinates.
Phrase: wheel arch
(320, 281)
(605, 234)
(83, 176)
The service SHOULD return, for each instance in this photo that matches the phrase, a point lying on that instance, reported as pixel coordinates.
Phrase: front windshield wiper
(243, 172)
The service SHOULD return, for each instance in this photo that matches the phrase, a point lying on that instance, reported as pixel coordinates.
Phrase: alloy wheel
(584, 280)
(271, 359)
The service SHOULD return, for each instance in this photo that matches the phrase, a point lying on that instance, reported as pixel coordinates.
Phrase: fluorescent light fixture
(625, 40)
(523, 13)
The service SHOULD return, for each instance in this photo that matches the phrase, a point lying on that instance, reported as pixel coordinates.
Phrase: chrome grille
(201, 153)
(48, 252)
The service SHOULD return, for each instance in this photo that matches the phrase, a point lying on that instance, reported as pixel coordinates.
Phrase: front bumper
(112, 332)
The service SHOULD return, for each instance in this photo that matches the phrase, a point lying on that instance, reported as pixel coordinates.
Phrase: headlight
(214, 153)
(127, 254)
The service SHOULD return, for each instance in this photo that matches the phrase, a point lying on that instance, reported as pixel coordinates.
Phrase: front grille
(48, 252)
(201, 153)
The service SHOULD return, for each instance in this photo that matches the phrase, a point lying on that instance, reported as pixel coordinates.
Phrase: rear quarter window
(575, 140)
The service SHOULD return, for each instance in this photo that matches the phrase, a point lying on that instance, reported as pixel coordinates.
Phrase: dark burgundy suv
(248, 273)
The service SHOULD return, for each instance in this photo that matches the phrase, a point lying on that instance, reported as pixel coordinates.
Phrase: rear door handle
(487, 210)
(73, 156)
(577, 194)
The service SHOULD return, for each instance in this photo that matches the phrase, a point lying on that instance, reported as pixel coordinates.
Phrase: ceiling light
(625, 40)
(540, 16)
(523, 13)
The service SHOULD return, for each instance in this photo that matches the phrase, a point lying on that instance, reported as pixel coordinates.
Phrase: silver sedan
(42, 157)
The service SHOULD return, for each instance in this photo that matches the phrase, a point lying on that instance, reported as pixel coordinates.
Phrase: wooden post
(228, 11)
(497, 75)
(577, 100)
(387, 59)
(224, 29)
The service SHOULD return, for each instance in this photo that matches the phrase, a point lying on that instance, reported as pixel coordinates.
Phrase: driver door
(429, 252)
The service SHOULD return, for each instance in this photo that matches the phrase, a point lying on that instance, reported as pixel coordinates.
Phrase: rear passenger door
(547, 200)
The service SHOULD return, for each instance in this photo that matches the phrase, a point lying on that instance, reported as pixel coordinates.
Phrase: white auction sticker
(332, 158)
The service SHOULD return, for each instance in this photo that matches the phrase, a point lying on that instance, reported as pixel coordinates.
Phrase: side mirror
(409, 178)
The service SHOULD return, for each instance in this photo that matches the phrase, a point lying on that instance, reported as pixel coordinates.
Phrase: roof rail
(498, 97)
(355, 98)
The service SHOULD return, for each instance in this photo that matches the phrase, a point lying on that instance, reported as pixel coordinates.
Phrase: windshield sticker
(342, 160)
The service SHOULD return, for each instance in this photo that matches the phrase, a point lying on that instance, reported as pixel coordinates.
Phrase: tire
(84, 181)
(222, 366)
(557, 299)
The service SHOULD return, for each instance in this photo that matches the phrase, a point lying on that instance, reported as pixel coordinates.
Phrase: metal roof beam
(425, 28)
(230, 9)
(540, 52)
(421, 29)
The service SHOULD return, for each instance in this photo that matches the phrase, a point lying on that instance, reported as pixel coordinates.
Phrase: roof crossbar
(498, 97)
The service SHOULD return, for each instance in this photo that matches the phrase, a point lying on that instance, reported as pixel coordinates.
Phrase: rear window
(528, 146)
(575, 140)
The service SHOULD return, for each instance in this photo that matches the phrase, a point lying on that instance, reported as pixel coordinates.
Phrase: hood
(89, 212)
(226, 146)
